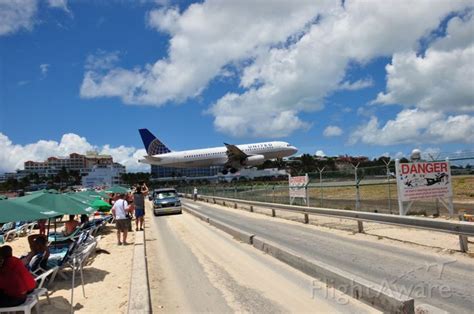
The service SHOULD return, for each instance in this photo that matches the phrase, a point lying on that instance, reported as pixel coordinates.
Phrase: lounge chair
(16, 232)
(60, 237)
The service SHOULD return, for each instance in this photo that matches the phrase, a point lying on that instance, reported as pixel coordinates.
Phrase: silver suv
(166, 201)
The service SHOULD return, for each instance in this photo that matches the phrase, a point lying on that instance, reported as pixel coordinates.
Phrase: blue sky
(327, 77)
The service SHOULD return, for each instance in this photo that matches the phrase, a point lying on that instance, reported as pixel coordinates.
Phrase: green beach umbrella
(12, 210)
(94, 194)
(61, 203)
(101, 205)
(117, 189)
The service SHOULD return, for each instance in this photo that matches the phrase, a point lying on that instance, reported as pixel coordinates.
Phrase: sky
(367, 78)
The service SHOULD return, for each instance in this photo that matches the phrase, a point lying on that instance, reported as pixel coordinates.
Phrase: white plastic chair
(77, 262)
(31, 301)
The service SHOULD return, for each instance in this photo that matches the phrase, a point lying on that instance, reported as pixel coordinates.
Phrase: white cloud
(289, 55)
(320, 153)
(59, 4)
(202, 43)
(44, 69)
(359, 84)
(299, 77)
(416, 126)
(332, 130)
(442, 79)
(13, 156)
(16, 15)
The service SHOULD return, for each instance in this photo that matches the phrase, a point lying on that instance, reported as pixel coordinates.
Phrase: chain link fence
(372, 189)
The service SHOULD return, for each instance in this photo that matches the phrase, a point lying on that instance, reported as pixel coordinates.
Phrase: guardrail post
(273, 212)
(360, 226)
(251, 208)
(306, 218)
(463, 244)
(235, 205)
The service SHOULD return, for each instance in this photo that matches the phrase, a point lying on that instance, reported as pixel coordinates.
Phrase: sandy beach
(106, 278)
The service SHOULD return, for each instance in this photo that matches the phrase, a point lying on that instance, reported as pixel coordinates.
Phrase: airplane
(232, 157)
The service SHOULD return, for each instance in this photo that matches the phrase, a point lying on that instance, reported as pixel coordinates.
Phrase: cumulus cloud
(202, 43)
(16, 15)
(412, 126)
(12, 156)
(332, 130)
(442, 79)
(289, 56)
(320, 153)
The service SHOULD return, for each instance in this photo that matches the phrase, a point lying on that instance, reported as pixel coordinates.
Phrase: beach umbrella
(94, 194)
(61, 203)
(101, 205)
(116, 189)
(12, 210)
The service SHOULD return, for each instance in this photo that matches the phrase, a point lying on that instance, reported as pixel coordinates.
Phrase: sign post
(298, 188)
(424, 180)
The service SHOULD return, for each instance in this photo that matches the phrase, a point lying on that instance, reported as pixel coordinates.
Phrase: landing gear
(227, 170)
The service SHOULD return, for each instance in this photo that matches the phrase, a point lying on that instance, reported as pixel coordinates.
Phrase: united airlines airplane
(232, 157)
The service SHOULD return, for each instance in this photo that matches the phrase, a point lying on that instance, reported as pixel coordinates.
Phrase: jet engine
(253, 160)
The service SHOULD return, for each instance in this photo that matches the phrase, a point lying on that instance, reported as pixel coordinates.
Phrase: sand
(106, 278)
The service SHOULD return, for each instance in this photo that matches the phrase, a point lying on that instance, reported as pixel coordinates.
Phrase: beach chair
(30, 227)
(77, 263)
(32, 299)
(15, 232)
(59, 237)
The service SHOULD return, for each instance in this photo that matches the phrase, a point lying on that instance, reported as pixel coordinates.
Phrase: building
(104, 175)
(167, 172)
(74, 162)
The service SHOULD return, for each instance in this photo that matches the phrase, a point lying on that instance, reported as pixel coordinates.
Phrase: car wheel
(155, 213)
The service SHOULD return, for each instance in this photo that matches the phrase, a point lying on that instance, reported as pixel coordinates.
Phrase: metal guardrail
(461, 228)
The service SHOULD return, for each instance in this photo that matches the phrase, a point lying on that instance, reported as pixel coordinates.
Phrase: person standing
(139, 201)
(120, 212)
(42, 226)
(195, 194)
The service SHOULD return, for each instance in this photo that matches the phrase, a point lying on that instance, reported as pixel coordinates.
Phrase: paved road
(440, 280)
(195, 268)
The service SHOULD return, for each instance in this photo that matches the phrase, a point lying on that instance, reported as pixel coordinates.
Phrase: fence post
(357, 187)
(273, 212)
(273, 193)
(321, 185)
(306, 218)
(251, 208)
(463, 243)
(387, 166)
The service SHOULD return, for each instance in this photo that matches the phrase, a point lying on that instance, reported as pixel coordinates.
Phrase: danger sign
(424, 180)
(298, 186)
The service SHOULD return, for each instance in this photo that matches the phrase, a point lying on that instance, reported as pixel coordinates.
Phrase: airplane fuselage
(217, 156)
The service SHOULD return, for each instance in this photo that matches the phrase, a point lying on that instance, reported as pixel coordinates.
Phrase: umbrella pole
(49, 225)
(55, 233)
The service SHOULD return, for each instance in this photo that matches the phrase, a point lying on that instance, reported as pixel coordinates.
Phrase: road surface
(441, 280)
(196, 268)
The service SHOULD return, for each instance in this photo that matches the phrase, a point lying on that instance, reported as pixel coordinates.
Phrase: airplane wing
(235, 154)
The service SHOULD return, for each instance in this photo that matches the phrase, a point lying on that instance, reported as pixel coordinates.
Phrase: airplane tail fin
(153, 145)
